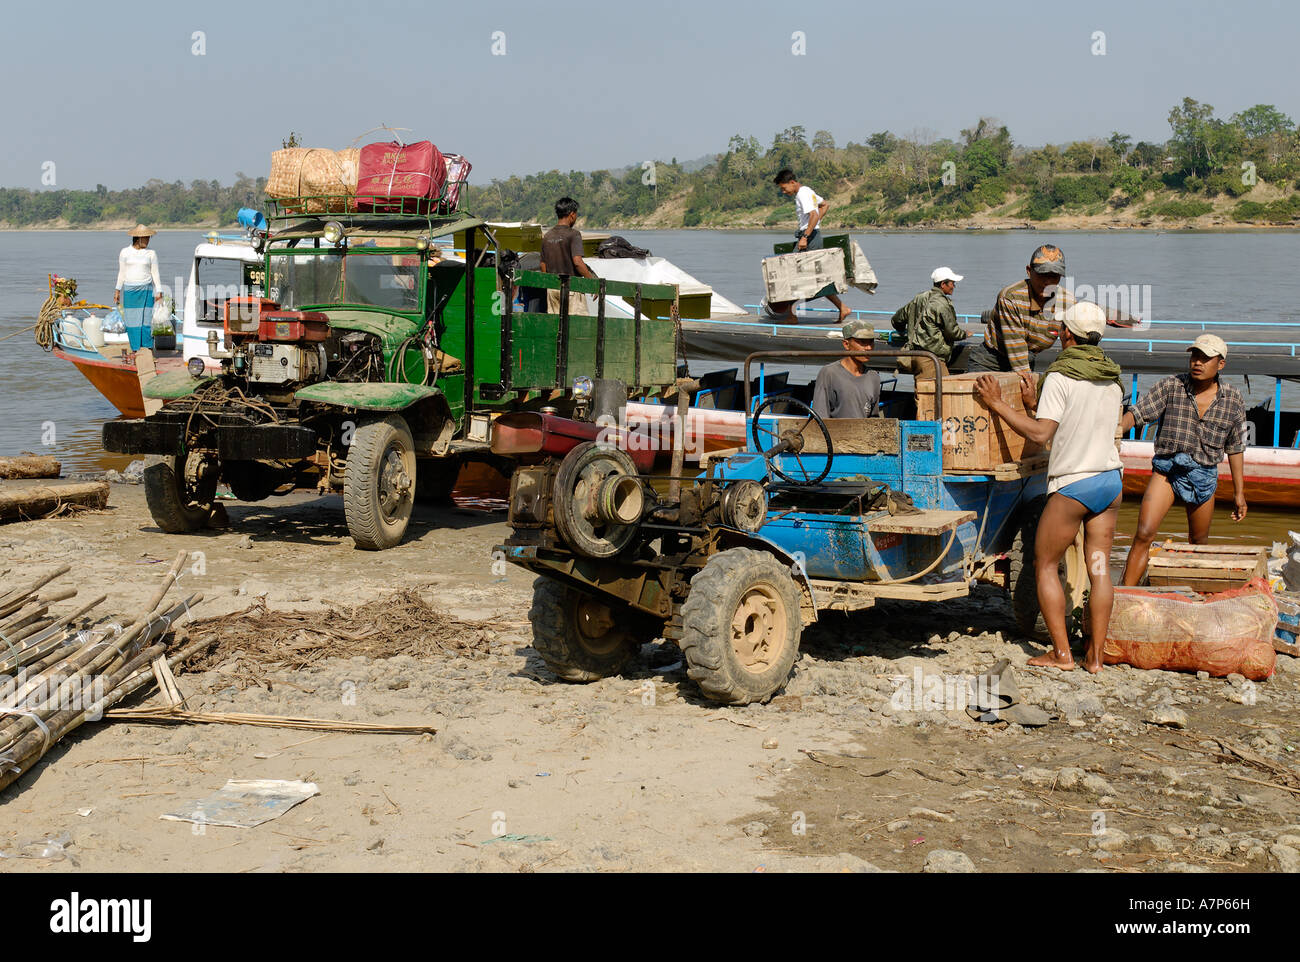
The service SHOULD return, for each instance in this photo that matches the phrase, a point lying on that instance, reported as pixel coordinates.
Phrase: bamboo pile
(56, 676)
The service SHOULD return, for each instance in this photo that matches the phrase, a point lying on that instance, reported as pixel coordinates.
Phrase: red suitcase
(398, 177)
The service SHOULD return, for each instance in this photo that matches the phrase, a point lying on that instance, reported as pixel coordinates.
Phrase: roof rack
(359, 209)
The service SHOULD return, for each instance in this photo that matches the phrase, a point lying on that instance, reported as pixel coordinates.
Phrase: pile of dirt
(402, 623)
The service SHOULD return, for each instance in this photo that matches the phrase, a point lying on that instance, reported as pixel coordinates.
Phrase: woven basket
(328, 177)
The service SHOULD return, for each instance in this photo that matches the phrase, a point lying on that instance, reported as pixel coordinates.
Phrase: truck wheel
(379, 483)
(1024, 583)
(579, 637)
(435, 478)
(177, 506)
(740, 626)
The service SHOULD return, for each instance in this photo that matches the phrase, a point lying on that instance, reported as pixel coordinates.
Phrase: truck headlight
(195, 366)
(582, 387)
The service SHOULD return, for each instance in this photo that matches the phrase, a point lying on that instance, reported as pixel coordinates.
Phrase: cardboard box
(805, 275)
(857, 269)
(974, 438)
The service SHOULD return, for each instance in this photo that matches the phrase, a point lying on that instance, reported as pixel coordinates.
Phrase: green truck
(372, 362)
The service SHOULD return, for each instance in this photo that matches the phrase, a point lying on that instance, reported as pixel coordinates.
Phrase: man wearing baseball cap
(1025, 318)
(846, 388)
(1201, 420)
(929, 322)
(1078, 409)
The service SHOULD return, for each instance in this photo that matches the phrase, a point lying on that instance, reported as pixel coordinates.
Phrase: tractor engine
(289, 349)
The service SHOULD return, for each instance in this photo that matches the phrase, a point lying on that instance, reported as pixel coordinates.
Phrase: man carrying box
(1078, 410)
(1201, 420)
(810, 209)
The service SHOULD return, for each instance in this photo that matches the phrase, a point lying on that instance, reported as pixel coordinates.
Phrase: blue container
(1288, 617)
(248, 217)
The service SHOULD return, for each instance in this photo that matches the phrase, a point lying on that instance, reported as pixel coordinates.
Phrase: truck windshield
(299, 280)
(373, 279)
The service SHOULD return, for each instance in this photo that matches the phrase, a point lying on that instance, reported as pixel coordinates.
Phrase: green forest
(1242, 169)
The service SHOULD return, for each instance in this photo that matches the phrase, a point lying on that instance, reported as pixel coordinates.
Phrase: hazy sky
(114, 93)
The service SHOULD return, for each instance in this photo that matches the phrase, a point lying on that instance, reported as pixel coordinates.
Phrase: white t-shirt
(805, 202)
(1088, 413)
(138, 266)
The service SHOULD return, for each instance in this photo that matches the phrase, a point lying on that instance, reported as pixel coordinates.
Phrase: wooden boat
(115, 377)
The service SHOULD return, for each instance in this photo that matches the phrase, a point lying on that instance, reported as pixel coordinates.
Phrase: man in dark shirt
(562, 254)
(1201, 419)
(846, 389)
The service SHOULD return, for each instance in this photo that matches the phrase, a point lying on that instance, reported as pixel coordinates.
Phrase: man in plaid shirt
(1201, 420)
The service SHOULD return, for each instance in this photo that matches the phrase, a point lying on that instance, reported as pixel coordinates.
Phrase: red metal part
(294, 326)
(532, 435)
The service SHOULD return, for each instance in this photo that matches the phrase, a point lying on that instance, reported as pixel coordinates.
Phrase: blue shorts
(1096, 493)
(1193, 483)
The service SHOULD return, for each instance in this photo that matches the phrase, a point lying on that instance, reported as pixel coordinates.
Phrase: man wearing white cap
(929, 322)
(1077, 408)
(1201, 420)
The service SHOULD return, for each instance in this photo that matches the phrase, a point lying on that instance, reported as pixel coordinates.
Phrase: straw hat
(139, 230)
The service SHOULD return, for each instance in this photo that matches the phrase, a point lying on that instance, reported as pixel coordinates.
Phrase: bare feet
(1053, 660)
(845, 311)
(1093, 667)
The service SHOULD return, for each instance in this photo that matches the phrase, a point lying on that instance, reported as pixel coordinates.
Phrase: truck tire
(581, 638)
(1024, 581)
(740, 626)
(379, 483)
(170, 503)
(435, 478)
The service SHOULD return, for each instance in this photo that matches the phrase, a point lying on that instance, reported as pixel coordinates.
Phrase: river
(1183, 275)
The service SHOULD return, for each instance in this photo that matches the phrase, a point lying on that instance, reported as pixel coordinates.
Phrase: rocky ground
(1138, 771)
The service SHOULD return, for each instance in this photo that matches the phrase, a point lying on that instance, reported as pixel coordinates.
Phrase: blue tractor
(814, 515)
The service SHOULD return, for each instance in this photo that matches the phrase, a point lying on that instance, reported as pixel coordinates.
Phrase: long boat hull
(115, 379)
(1272, 475)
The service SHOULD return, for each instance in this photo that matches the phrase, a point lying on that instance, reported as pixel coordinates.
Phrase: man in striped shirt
(1025, 319)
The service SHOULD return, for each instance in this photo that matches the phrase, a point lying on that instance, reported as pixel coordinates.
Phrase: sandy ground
(633, 773)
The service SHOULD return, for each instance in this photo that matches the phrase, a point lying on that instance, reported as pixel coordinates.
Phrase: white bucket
(94, 330)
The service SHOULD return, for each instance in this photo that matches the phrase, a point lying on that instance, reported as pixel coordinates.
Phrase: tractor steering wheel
(789, 441)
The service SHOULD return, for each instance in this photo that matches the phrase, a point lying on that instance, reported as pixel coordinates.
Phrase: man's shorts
(1193, 483)
(1096, 493)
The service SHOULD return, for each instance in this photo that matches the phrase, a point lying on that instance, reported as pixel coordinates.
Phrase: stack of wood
(58, 675)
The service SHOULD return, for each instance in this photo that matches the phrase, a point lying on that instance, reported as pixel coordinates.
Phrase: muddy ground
(633, 773)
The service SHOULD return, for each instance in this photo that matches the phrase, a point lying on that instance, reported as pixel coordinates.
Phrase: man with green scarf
(1077, 408)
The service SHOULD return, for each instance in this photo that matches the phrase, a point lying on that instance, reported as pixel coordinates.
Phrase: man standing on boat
(562, 254)
(929, 322)
(1077, 409)
(138, 287)
(846, 388)
(1201, 420)
(1025, 318)
(810, 208)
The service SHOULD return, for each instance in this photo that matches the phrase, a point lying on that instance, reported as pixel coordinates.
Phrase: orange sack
(1228, 632)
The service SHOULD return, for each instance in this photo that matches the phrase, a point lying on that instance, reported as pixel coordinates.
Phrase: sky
(116, 94)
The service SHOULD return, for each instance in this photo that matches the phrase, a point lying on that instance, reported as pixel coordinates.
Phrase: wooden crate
(1205, 568)
(974, 438)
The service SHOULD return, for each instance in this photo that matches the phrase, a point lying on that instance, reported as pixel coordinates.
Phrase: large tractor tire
(581, 638)
(379, 484)
(177, 506)
(740, 626)
(1072, 571)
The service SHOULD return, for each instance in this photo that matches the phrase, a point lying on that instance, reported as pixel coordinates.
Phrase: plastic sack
(162, 313)
(1225, 633)
(114, 323)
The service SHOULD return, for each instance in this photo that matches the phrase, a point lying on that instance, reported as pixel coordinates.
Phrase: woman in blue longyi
(138, 287)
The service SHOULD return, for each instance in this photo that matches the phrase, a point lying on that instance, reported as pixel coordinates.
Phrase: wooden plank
(1211, 564)
(146, 371)
(866, 436)
(1250, 549)
(921, 523)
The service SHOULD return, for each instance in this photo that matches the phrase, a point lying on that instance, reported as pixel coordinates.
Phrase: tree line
(1247, 165)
